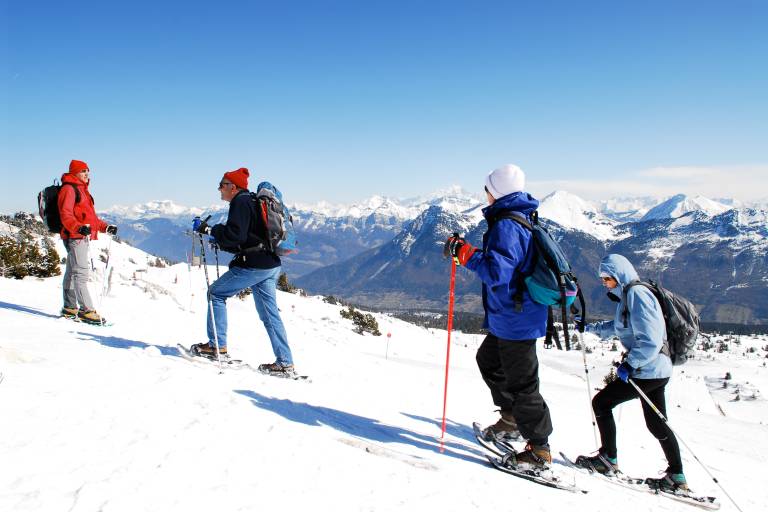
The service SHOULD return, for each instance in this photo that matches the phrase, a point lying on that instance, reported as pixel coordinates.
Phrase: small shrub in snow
(283, 285)
(363, 322)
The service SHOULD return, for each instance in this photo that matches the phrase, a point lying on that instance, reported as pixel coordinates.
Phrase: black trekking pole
(210, 302)
(664, 419)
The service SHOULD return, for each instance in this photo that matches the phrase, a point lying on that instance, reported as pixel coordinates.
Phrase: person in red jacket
(80, 224)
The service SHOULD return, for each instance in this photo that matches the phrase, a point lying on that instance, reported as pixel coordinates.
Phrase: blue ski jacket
(644, 336)
(504, 257)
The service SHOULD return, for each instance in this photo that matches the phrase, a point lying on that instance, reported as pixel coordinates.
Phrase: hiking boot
(207, 350)
(69, 312)
(536, 457)
(503, 430)
(279, 369)
(600, 463)
(674, 483)
(90, 317)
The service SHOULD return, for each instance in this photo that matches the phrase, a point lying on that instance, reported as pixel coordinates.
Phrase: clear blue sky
(341, 100)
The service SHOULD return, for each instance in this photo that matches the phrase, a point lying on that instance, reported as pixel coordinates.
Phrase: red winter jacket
(74, 215)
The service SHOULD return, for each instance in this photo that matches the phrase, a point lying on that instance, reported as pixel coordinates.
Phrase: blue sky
(338, 101)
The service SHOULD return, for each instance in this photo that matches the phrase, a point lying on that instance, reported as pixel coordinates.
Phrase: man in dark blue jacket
(507, 357)
(254, 267)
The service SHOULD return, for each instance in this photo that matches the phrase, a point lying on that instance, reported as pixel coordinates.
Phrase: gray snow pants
(76, 275)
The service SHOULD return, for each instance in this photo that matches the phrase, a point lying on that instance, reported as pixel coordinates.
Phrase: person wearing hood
(254, 266)
(507, 357)
(80, 224)
(646, 361)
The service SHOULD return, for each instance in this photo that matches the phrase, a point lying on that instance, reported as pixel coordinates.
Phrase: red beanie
(238, 177)
(75, 166)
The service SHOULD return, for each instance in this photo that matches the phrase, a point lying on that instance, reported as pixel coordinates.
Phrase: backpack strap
(625, 308)
(625, 311)
(77, 192)
(77, 200)
(520, 281)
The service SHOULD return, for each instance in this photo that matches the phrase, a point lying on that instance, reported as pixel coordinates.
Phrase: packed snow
(112, 418)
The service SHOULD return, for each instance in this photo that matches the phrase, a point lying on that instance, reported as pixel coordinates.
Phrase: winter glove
(459, 249)
(84, 230)
(201, 226)
(624, 371)
(111, 229)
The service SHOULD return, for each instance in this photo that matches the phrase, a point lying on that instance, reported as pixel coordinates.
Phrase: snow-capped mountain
(155, 209)
(719, 262)
(572, 212)
(348, 235)
(627, 209)
(681, 204)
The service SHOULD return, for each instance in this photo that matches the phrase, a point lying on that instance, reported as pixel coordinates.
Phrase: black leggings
(618, 392)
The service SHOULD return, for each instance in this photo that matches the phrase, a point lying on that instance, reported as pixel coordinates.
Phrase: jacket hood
(73, 179)
(619, 267)
(522, 202)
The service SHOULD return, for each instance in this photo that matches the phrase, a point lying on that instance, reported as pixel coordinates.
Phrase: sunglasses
(222, 184)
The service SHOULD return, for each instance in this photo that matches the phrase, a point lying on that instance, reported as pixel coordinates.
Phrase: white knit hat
(505, 180)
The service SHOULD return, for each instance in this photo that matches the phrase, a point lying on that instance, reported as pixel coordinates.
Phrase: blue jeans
(262, 283)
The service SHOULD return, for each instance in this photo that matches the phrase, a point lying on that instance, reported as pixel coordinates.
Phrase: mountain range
(386, 252)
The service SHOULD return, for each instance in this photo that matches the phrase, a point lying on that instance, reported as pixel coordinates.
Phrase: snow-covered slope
(111, 418)
(573, 212)
(679, 205)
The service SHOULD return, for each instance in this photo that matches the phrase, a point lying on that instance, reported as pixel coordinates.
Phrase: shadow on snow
(115, 342)
(25, 309)
(359, 426)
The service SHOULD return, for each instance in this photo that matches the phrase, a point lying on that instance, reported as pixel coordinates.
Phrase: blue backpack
(280, 236)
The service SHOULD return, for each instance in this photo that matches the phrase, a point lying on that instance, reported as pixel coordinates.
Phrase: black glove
(112, 229)
(84, 230)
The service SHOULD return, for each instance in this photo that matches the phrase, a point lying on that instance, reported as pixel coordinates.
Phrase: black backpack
(680, 319)
(48, 205)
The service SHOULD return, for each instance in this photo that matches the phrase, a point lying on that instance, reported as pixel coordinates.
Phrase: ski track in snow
(113, 419)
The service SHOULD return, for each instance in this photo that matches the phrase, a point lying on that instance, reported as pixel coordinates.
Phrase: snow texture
(113, 419)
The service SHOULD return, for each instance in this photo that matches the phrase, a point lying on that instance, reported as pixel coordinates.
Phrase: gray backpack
(680, 318)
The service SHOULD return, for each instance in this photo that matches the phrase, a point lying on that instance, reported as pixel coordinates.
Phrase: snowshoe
(505, 429)
(674, 483)
(91, 317)
(599, 463)
(206, 350)
(70, 313)
(278, 370)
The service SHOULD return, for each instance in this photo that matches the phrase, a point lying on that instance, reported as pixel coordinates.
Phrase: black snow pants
(511, 370)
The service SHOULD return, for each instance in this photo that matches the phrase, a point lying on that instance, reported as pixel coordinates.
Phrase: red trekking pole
(448, 350)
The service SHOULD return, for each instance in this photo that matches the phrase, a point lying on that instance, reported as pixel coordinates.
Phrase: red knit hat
(238, 177)
(76, 166)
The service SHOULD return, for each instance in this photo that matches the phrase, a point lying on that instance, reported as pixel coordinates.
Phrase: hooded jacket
(644, 336)
(75, 214)
(504, 257)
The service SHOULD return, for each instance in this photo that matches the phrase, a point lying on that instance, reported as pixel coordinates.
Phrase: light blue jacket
(644, 336)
